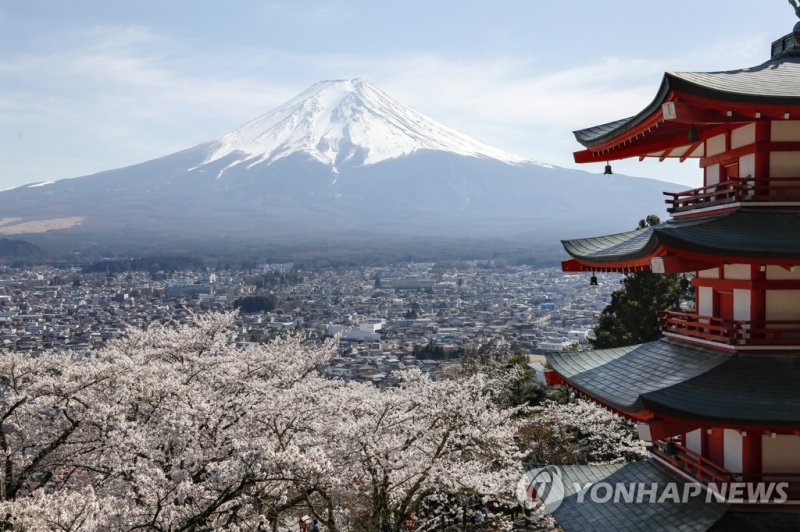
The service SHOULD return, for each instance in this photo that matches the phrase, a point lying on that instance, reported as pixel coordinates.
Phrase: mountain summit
(341, 159)
(344, 122)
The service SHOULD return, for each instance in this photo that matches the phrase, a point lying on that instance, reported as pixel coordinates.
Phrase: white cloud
(116, 95)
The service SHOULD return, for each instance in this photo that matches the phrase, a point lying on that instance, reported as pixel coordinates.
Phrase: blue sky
(93, 84)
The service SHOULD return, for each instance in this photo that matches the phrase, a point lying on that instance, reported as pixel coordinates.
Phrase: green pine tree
(632, 316)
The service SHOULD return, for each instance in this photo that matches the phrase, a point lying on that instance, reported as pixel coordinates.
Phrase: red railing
(700, 327)
(701, 469)
(784, 189)
(750, 333)
(707, 472)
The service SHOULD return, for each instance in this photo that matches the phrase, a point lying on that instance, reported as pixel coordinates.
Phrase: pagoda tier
(684, 385)
(692, 107)
(727, 417)
(744, 236)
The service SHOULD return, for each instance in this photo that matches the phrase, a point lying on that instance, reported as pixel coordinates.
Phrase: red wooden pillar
(704, 442)
(758, 295)
(763, 136)
(751, 454)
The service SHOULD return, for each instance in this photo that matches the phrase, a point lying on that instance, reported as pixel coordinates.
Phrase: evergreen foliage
(253, 304)
(632, 316)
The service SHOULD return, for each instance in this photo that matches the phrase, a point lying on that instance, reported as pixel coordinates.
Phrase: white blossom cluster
(175, 428)
(581, 432)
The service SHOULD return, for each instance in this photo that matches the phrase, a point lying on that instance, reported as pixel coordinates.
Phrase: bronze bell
(608, 171)
(593, 281)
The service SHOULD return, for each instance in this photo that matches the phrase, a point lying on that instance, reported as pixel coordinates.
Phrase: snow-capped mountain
(340, 122)
(340, 159)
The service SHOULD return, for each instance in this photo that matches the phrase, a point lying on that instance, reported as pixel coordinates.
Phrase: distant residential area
(390, 318)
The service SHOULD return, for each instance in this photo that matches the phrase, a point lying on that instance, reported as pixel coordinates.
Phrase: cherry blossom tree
(175, 428)
(421, 444)
(579, 432)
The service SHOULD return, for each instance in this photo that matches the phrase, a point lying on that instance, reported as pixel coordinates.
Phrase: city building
(719, 395)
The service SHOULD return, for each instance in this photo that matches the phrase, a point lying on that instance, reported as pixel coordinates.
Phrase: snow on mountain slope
(344, 121)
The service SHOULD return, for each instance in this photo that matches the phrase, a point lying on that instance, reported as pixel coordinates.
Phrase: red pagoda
(719, 395)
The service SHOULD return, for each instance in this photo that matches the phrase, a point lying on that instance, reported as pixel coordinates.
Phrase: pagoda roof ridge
(776, 81)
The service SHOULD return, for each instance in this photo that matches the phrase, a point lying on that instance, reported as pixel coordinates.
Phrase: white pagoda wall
(737, 271)
(713, 273)
(785, 131)
(782, 305)
(784, 164)
(705, 301)
(733, 450)
(715, 145)
(743, 136)
(712, 175)
(776, 273)
(747, 165)
(780, 454)
(694, 441)
(742, 300)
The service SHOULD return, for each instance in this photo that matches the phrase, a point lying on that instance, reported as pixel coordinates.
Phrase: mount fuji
(341, 159)
(344, 122)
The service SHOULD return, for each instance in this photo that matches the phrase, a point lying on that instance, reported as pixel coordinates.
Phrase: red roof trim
(574, 265)
(655, 135)
(672, 254)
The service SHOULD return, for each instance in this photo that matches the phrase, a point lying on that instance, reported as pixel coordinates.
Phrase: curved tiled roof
(752, 389)
(588, 135)
(578, 512)
(613, 248)
(619, 377)
(687, 381)
(774, 82)
(742, 233)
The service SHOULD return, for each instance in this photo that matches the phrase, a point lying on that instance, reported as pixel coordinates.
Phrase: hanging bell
(693, 135)
(608, 171)
(593, 281)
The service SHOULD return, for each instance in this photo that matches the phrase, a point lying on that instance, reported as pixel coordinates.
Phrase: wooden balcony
(694, 465)
(706, 472)
(745, 190)
(753, 334)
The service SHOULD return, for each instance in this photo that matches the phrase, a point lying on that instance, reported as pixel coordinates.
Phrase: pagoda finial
(796, 7)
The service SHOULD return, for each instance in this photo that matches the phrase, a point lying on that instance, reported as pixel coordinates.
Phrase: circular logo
(541, 490)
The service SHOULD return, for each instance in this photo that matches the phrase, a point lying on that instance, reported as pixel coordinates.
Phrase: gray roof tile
(688, 381)
(744, 233)
(695, 515)
(626, 373)
(774, 82)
